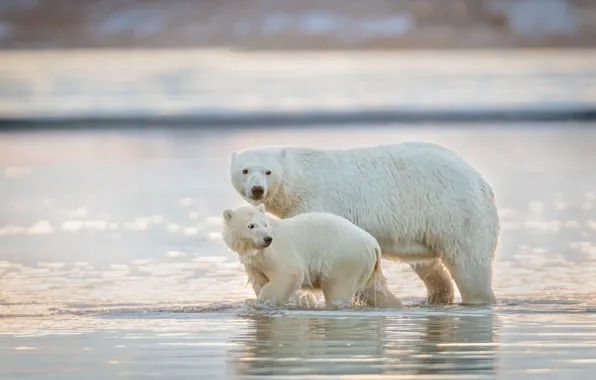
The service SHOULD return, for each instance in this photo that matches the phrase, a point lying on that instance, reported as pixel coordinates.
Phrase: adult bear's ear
(228, 215)
(234, 155)
(284, 154)
(261, 208)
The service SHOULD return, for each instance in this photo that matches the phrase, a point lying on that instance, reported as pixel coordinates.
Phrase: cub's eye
(268, 172)
(264, 224)
(244, 171)
(251, 226)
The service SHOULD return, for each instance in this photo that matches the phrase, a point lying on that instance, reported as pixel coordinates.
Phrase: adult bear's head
(258, 173)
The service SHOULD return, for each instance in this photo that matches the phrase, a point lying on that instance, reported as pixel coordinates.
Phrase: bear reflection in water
(312, 345)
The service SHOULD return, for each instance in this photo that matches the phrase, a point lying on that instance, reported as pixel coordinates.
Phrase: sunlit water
(111, 264)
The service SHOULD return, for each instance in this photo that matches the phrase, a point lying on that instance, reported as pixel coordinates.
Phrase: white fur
(421, 201)
(309, 251)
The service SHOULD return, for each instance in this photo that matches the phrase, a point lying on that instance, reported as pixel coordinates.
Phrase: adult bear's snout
(257, 192)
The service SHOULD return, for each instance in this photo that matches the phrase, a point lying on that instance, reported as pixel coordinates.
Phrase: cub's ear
(284, 154)
(261, 208)
(228, 215)
(234, 155)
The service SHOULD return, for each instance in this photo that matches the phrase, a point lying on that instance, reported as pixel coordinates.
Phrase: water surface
(111, 264)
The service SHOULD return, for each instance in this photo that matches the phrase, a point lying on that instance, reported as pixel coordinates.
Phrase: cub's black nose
(268, 240)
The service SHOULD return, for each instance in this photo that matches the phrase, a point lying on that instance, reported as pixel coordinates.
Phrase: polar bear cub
(309, 251)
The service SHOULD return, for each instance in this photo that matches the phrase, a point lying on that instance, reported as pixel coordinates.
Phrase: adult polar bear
(422, 202)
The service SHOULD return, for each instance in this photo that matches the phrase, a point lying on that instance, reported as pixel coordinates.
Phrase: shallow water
(111, 264)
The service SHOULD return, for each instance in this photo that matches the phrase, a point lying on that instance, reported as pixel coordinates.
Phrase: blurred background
(117, 120)
(265, 61)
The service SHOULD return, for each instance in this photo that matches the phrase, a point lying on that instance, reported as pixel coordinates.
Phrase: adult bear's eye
(268, 172)
(251, 226)
(244, 171)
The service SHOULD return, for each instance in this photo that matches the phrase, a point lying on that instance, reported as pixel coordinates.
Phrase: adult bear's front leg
(437, 281)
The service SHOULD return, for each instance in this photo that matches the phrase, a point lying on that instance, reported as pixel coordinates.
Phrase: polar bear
(423, 203)
(309, 251)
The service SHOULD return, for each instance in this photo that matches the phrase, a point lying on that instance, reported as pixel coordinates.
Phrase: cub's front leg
(280, 288)
(257, 279)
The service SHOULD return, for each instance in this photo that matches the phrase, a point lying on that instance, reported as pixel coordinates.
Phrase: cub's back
(328, 230)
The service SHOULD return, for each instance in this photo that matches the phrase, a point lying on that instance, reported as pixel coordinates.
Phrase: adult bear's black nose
(268, 240)
(257, 191)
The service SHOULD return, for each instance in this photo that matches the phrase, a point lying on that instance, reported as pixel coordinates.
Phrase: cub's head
(257, 174)
(246, 229)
